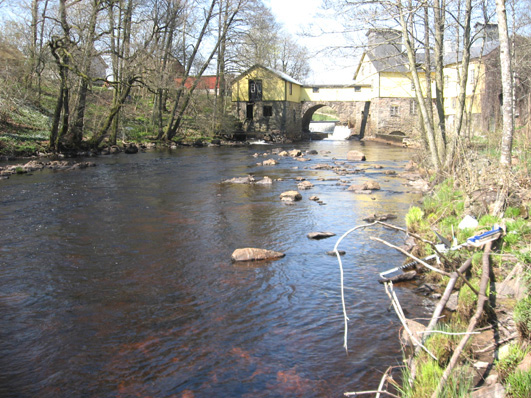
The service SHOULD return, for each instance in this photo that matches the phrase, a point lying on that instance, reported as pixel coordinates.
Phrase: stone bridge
(353, 114)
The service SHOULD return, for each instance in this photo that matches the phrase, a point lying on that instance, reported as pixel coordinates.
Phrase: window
(412, 85)
(255, 90)
(454, 102)
(357, 89)
(315, 89)
(291, 88)
(393, 110)
(268, 111)
(413, 107)
(472, 77)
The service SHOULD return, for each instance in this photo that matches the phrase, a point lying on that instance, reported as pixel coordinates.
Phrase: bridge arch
(308, 115)
(353, 114)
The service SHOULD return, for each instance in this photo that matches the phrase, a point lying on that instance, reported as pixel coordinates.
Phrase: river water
(116, 281)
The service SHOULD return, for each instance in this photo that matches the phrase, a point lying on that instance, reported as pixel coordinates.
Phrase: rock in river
(254, 254)
(320, 235)
(290, 196)
(355, 156)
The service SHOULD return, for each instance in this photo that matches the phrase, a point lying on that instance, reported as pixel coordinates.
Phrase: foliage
(510, 360)
(522, 317)
(415, 219)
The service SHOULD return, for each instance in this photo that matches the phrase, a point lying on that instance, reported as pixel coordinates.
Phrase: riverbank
(483, 315)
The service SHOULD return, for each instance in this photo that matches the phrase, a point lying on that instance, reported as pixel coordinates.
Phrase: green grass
(518, 384)
(509, 360)
(522, 317)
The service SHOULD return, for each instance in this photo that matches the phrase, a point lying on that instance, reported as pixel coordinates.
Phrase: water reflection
(116, 281)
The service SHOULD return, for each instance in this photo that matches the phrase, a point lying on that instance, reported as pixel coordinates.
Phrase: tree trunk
(507, 86)
(430, 134)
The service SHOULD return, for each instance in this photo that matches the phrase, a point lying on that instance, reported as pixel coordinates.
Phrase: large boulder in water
(255, 254)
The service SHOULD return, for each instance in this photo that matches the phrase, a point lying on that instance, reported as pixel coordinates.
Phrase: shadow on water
(116, 281)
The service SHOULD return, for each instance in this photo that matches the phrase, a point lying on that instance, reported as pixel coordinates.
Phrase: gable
(276, 86)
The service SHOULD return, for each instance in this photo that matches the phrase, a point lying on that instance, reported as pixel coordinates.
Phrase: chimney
(488, 32)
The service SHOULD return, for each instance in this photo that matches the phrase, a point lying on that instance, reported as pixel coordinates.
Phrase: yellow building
(268, 101)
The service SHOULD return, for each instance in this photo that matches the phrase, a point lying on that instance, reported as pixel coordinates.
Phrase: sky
(297, 15)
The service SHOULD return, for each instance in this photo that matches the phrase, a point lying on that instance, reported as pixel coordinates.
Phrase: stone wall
(285, 118)
(393, 116)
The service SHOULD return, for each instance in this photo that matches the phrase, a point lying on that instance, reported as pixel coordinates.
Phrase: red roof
(205, 82)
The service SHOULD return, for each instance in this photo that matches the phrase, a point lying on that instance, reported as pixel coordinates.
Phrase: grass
(522, 318)
(518, 384)
(509, 360)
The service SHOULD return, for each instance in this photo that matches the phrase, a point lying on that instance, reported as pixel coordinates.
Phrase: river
(116, 281)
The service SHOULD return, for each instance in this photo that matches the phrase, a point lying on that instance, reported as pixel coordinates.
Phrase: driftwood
(482, 299)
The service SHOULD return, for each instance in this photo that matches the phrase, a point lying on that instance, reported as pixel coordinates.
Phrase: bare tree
(507, 106)
(183, 95)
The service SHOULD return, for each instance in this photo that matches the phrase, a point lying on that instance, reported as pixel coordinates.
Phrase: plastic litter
(468, 222)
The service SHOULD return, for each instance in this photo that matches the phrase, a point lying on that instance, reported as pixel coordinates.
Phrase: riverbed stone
(295, 153)
(265, 181)
(270, 162)
(356, 156)
(371, 186)
(320, 235)
(255, 254)
(305, 185)
(290, 196)
(333, 253)
(241, 180)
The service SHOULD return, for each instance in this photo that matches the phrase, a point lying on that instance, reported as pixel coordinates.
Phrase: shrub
(414, 219)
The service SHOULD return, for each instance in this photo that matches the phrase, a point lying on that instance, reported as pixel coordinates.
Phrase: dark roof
(388, 60)
(476, 51)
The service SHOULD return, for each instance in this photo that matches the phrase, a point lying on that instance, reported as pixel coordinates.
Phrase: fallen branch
(398, 309)
(382, 381)
(345, 317)
(482, 299)
(418, 260)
